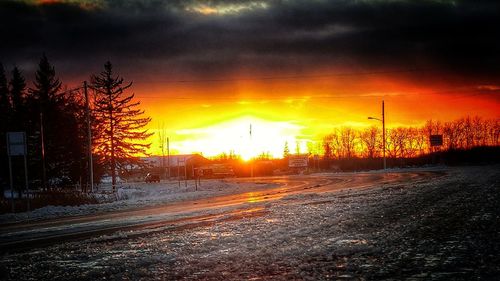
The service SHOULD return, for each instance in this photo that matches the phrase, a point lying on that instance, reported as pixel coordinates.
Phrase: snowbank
(136, 195)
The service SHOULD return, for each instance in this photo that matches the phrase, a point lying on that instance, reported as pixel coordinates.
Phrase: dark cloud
(174, 39)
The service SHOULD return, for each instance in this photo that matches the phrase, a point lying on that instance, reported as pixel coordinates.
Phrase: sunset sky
(294, 70)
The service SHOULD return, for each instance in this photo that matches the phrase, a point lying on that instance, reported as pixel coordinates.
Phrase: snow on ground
(444, 228)
(136, 195)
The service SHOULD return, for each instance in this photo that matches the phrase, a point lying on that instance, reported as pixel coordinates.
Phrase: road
(410, 225)
(14, 237)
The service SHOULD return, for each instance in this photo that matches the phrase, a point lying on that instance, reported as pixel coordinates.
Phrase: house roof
(176, 160)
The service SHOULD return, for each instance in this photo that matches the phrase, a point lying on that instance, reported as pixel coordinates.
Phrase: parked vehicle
(152, 178)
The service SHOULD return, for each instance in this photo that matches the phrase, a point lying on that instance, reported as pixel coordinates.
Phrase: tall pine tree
(5, 115)
(119, 135)
(56, 125)
(17, 115)
(18, 96)
(4, 95)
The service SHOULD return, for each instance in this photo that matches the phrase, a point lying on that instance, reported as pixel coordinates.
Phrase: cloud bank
(179, 39)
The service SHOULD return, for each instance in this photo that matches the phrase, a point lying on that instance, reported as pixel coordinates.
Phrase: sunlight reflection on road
(253, 198)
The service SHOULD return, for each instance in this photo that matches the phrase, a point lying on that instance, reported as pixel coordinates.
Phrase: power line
(294, 77)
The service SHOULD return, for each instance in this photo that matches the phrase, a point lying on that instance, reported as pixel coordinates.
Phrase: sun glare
(247, 137)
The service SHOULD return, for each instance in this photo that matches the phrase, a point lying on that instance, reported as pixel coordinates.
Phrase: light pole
(89, 137)
(383, 131)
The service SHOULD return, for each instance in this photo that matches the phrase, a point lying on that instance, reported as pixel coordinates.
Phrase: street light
(383, 131)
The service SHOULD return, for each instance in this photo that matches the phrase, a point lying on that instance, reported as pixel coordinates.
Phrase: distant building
(179, 165)
(216, 171)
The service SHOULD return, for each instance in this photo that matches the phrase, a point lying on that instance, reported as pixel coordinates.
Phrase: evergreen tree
(17, 118)
(286, 150)
(4, 95)
(55, 123)
(297, 147)
(47, 85)
(5, 107)
(119, 133)
(5, 115)
(17, 92)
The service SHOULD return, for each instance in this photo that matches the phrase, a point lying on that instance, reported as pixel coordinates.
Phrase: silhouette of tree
(4, 94)
(120, 135)
(347, 142)
(17, 94)
(5, 107)
(297, 147)
(5, 115)
(55, 113)
(18, 114)
(369, 138)
(409, 142)
(327, 147)
(265, 155)
(286, 150)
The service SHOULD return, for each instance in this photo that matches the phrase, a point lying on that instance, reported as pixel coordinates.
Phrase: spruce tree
(119, 133)
(53, 112)
(46, 85)
(5, 115)
(17, 116)
(286, 150)
(17, 92)
(4, 94)
(5, 107)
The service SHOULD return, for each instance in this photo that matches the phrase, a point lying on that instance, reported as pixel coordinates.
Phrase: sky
(293, 70)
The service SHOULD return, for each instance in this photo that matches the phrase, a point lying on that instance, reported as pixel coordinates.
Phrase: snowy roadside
(137, 195)
(424, 229)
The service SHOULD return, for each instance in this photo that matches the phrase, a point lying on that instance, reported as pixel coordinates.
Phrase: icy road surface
(440, 224)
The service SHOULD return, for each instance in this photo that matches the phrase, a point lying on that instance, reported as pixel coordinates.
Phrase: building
(179, 165)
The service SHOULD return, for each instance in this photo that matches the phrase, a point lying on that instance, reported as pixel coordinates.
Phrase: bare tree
(327, 147)
(369, 139)
(406, 142)
(348, 142)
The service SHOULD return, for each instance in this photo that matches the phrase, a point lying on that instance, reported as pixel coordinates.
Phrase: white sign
(298, 161)
(16, 143)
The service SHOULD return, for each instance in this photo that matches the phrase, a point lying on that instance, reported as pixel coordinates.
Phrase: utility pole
(44, 173)
(11, 183)
(185, 173)
(168, 157)
(89, 136)
(251, 147)
(26, 175)
(383, 133)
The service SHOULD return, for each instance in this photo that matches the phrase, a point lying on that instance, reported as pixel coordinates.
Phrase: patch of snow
(135, 195)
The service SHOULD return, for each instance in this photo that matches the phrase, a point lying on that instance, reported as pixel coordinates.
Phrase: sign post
(185, 173)
(11, 185)
(16, 146)
(435, 141)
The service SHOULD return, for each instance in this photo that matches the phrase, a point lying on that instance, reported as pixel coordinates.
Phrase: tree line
(56, 121)
(407, 142)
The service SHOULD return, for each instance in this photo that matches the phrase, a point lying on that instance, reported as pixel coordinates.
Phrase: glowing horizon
(295, 112)
(203, 67)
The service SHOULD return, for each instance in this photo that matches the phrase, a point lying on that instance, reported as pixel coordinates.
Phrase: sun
(246, 136)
